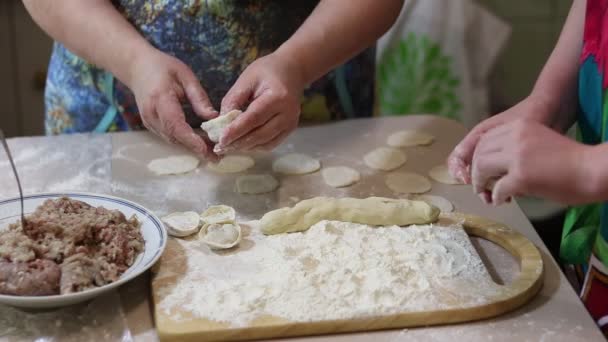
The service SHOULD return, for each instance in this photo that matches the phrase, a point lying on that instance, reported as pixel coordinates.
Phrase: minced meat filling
(67, 246)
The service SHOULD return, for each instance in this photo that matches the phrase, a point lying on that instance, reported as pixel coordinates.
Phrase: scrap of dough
(232, 164)
(256, 184)
(182, 224)
(173, 165)
(218, 214)
(340, 176)
(376, 211)
(440, 202)
(407, 183)
(215, 127)
(221, 235)
(409, 138)
(385, 158)
(441, 174)
(296, 164)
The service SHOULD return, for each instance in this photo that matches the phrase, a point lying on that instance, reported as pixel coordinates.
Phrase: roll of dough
(376, 211)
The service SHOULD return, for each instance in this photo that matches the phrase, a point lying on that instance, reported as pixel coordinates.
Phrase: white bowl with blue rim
(152, 230)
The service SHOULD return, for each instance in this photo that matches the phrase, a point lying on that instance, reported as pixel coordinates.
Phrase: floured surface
(334, 270)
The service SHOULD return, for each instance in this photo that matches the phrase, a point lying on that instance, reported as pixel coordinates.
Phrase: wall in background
(536, 25)
(25, 51)
(23, 63)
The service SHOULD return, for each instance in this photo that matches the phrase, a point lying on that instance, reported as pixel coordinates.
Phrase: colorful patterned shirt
(217, 39)
(585, 234)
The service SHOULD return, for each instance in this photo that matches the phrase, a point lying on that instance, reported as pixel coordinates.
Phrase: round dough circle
(385, 158)
(409, 138)
(173, 165)
(218, 214)
(296, 164)
(256, 184)
(340, 176)
(232, 164)
(182, 224)
(407, 183)
(440, 202)
(441, 174)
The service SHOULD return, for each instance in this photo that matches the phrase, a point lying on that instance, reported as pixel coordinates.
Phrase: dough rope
(376, 211)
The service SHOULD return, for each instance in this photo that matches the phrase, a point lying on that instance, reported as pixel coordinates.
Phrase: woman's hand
(161, 83)
(525, 157)
(270, 89)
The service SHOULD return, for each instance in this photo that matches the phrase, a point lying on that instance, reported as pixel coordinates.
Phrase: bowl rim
(97, 290)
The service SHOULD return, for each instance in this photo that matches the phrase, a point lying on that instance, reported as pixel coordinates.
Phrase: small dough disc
(215, 127)
(407, 183)
(256, 184)
(385, 158)
(173, 165)
(232, 164)
(296, 164)
(221, 235)
(340, 176)
(440, 202)
(441, 174)
(409, 138)
(218, 214)
(182, 224)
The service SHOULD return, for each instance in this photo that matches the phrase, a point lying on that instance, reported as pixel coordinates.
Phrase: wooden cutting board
(510, 297)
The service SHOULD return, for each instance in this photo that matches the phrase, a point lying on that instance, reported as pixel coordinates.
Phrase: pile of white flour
(334, 270)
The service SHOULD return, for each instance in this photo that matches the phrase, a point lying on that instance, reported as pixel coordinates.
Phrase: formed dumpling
(218, 214)
(221, 235)
(215, 127)
(182, 224)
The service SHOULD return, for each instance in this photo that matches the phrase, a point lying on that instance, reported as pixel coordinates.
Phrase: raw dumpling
(218, 214)
(221, 235)
(182, 224)
(441, 174)
(296, 164)
(409, 138)
(340, 176)
(215, 127)
(256, 184)
(173, 165)
(407, 183)
(385, 158)
(232, 164)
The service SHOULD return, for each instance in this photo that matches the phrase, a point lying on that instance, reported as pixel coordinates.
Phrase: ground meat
(35, 278)
(89, 246)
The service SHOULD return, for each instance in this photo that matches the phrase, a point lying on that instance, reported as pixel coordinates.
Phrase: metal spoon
(10, 159)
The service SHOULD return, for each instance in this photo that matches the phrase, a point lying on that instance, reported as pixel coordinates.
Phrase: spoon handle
(10, 159)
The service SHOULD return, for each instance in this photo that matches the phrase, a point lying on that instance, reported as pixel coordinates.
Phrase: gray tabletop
(116, 164)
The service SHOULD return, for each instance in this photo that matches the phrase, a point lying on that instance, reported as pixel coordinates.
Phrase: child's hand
(525, 157)
(459, 161)
(270, 89)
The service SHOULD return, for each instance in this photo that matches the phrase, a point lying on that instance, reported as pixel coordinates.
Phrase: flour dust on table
(335, 270)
